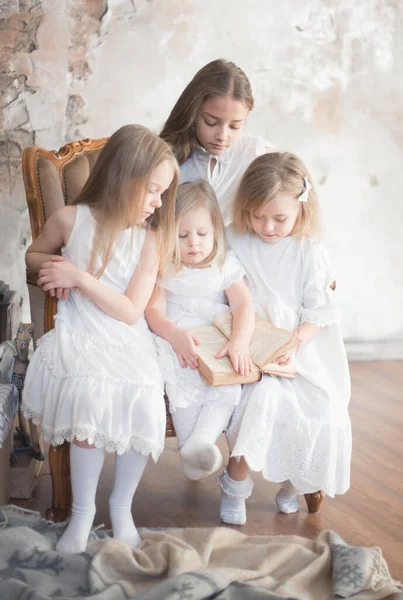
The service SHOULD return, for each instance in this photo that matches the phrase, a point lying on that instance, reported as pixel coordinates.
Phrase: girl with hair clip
(298, 431)
(206, 130)
(203, 281)
(94, 380)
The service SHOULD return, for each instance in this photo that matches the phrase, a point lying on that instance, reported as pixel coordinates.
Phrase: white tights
(86, 466)
(197, 429)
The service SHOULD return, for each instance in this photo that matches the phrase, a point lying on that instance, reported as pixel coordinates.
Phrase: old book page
(218, 371)
(268, 342)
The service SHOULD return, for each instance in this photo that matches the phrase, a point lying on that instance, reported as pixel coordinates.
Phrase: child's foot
(233, 496)
(232, 510)
(287, 501)
(74, 540)
(123, 525)
(200, 459)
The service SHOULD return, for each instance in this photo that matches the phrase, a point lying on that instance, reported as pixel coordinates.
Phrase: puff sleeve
(232, 270)
(318, 304)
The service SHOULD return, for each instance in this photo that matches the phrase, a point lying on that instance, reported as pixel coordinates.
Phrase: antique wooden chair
(53, 179)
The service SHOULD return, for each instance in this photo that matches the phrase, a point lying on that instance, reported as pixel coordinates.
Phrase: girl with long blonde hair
(94, 380)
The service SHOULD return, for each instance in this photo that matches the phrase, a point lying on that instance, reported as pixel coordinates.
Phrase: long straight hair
(116, 191)
(217, 78)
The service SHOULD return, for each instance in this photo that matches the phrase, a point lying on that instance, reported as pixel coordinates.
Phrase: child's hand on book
(239, 356)
(183, 342)
(286, 358)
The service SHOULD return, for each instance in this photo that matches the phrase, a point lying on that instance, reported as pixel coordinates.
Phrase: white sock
(200, 455)
(184, 420)
(233, 496)
(85, 467)
(287, 498)
(129, 468)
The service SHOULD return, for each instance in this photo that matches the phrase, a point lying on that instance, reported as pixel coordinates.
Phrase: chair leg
(59, 463)
(314, 501)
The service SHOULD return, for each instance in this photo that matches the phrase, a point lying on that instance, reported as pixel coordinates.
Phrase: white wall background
(325, 76)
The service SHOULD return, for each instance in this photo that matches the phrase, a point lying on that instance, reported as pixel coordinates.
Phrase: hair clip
(303, 197)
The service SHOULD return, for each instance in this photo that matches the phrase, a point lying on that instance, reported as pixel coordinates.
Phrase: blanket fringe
(382, 575)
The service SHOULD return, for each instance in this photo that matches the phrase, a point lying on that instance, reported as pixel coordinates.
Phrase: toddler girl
(203, 280)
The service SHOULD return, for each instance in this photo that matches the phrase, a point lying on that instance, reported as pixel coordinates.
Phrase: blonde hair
(217, 78)
(190, 196)
(117, 187)
(266, 177)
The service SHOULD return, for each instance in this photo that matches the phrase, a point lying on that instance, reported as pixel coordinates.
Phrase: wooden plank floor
(371, 513)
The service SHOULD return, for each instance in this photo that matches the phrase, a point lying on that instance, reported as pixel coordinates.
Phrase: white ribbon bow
(303, 197)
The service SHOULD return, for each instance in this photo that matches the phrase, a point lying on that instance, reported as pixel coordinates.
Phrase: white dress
(228, 170)
(297, 430)
(193, 299)
(94, 377)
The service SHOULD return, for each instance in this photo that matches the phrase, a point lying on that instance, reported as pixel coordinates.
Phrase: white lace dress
(228, 170)
(193, 299)
(94, 377)
(296, 430)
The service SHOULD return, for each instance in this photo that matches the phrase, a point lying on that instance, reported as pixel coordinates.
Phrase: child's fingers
(57, 258)
(59, 292)
(191, 359)
(182, 361)
(46, 265)
(45, 279)
(235, 363)
(66, 293)
(280, 359)
(223, 352)
(48, 287)
(195, 340)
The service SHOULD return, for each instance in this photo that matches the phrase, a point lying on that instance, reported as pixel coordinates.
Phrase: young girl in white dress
(94, 380)
(206, 130)
(204, 281)
(297, 432)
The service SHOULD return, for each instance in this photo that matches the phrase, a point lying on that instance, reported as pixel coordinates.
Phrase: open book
(267, 343)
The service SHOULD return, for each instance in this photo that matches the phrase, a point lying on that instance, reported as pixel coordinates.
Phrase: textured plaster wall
(327, 86)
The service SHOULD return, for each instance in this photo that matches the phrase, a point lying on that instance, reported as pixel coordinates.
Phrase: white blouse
(228, 169)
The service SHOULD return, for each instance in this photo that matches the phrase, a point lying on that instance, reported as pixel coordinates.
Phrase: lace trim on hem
(306, 488)
(235, 489)
(319, 322)
(100, 440)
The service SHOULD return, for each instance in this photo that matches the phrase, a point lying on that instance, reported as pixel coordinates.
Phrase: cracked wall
(326, 82)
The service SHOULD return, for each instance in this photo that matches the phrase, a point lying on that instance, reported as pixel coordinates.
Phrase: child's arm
(305, 334)
(54, 235)
(243, 324)
(125, 307)
(181, 340)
